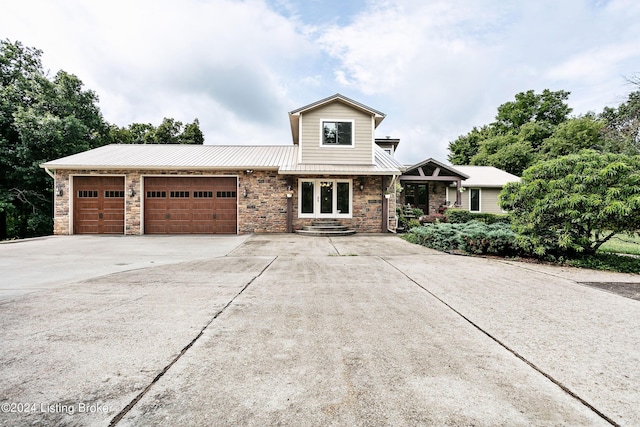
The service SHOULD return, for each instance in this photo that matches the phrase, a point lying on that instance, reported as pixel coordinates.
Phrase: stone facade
(261, 196)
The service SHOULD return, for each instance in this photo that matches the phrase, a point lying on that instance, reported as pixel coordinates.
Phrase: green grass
(622, 244)
(607, 261)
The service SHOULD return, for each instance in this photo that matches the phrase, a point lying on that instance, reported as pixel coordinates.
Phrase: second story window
(337, 133)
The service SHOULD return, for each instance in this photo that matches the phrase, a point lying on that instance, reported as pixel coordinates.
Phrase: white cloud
(436, 67)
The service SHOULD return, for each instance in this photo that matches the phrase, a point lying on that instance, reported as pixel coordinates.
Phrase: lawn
(622, 244)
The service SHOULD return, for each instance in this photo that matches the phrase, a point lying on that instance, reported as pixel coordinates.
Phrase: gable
(295, 115)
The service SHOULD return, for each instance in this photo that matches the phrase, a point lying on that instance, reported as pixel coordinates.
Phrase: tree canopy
(40, 119)
(44, 118)
(170, 131)
(575, 203)
(536, 127)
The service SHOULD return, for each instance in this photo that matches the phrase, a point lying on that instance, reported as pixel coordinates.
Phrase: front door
(321, 198)
(417, 195)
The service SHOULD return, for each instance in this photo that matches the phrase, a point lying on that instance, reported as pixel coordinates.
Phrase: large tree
(41, 118)
(170, 131)
(622, 125)
(575, 203)
(512, 142)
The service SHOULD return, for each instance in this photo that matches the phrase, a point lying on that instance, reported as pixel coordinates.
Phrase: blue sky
(435, 67)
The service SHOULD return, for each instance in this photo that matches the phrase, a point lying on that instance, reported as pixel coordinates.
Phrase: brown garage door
(98, 205)
(190, 205)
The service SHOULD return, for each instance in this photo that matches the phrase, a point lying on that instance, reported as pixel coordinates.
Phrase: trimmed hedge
(474, 237)
(461, 216)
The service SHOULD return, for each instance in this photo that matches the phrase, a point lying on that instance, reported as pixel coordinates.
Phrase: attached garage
(190, 205)
(98, 205)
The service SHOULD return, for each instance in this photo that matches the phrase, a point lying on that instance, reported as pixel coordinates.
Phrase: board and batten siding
(313, 152)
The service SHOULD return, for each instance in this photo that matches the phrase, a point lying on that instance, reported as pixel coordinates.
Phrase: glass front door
(325, 198)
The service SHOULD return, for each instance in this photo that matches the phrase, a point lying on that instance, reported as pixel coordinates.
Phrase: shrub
(461, 216)
(413, 223)
(474, 237)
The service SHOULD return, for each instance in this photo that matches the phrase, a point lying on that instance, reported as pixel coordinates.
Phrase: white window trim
(316, 198)
(338, 146)
(479, 200)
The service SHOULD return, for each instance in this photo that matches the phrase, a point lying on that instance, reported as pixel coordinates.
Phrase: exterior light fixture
(248, 172)
(244, 193)
(361, 186)
(132, 192)
(59, 191)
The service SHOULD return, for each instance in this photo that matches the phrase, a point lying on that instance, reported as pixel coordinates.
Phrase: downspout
(49, 173)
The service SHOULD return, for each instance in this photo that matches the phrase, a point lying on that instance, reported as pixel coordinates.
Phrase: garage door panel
(190, 205)
(98, 205)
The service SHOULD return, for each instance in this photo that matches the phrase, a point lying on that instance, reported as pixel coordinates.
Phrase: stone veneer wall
(263, 210)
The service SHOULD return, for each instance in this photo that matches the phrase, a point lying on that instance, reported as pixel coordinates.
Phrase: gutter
(46, 169)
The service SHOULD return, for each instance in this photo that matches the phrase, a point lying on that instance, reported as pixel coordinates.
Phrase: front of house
(335, 169)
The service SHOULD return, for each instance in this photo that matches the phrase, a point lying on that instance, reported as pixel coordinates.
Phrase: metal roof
(384, 165)
(178, 157)
(485, 176)
(218, 157)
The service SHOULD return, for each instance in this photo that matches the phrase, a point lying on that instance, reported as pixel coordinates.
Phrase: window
(306, 197)
(156, 194)
(226, 194)
(202, 194)
(114, 194)
(337, 133)
(179, 194)
(87, 194)
(474, 200)
(321, 198)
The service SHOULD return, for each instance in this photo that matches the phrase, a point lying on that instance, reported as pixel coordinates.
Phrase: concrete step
(324, 227)
(326, 233)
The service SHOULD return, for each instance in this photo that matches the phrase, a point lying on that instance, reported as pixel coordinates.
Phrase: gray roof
(283, 158)
(178, 157)
(384, 165)
(485, 176)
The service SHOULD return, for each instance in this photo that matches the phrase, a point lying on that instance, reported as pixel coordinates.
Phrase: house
(481, 189)
(333, 170)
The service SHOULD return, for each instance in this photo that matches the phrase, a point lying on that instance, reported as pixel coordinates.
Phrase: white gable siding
(311, 149)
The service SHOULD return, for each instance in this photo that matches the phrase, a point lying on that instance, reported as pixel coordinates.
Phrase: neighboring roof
(178, 157)
(213, 157)
(431, 163)
(486, 176)
(384, 165)
(294, 116)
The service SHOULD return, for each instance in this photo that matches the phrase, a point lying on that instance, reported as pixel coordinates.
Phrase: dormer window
(337, 133)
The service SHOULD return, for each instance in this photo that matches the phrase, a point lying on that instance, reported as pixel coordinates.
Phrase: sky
(436, 68)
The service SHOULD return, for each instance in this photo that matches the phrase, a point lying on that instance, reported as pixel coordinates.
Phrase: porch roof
(432, 170)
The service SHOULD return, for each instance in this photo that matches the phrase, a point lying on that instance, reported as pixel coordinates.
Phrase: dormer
(388, 144)
(335, 130)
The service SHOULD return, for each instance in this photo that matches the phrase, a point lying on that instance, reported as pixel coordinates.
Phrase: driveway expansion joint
(131, 404)
(509, 349)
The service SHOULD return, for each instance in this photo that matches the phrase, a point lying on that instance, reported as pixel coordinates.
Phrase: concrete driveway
(290, 330)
